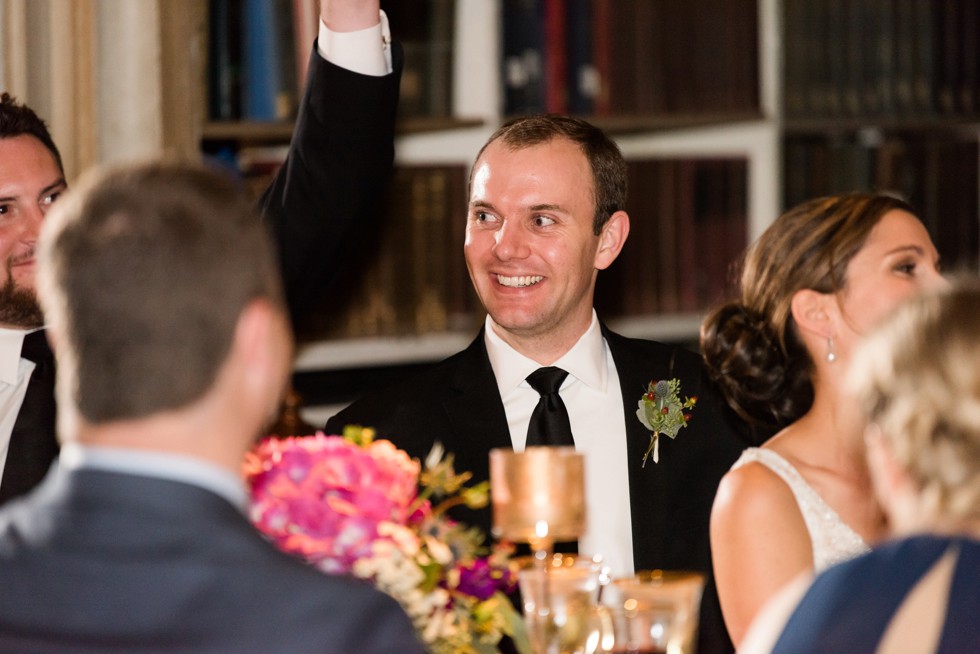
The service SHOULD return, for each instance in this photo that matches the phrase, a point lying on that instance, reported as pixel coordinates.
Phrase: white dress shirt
(594, 400)
(15, 373)
(366, 51)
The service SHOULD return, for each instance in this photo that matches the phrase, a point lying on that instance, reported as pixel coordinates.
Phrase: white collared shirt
(15, 373)
(161, 465)
(366, 51)
(594, 400)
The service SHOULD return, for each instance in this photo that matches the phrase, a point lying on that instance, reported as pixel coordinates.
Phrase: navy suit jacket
(457, 403)
(322, 197)
(96, 561)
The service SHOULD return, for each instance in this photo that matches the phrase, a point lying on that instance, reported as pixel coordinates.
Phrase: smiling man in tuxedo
(545, 216)
(322, 198)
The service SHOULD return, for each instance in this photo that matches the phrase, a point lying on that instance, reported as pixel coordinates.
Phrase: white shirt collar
(585, 361)
(174, 467)
(11, 342)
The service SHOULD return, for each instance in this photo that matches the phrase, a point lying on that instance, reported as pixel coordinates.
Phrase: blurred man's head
(145, 274)
(31, 179)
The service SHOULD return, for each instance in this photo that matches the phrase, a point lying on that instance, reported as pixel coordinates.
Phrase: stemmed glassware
(538, 497)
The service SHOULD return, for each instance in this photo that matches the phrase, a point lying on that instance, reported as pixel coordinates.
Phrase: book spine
(555, 56)
(794, 58)
(440, 58)
(522, 60)
(261, 56)
(923, 89)
(622, 55)
(969, 33)
(306, 27)
(224, 60)
(602, 55)
(582, 82)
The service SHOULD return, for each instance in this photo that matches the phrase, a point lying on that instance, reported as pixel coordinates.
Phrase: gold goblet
(538, 497)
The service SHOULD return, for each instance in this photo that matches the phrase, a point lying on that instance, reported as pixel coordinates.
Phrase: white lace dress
(832, 540)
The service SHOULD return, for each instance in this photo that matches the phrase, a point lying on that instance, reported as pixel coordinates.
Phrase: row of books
(688, 225)
(688, 228)
(414, 279)
(630, 57)
(426, 31)
(937, 173)
(258, 51)
(881, 58)
(257, 56)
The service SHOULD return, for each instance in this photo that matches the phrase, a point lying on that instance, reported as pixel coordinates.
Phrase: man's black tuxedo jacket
(339, 161)
(139, 564)
(457, 403)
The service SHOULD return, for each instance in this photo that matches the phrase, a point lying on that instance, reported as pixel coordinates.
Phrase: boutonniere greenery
(662, 412)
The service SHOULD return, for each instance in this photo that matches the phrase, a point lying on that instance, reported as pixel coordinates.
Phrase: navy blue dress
(849, 606)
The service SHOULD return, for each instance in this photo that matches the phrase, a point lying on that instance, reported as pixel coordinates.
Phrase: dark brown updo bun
(751, 347)
(765, 386)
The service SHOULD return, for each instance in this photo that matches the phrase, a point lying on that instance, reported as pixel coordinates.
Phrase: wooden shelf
(667, 122)
(426, 348)
(281, 132)
(892, 124)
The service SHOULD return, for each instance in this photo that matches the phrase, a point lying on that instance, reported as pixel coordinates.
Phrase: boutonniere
(662, 412)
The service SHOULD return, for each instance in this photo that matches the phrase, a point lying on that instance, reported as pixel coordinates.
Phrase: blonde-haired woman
(917, 380)
(815, 282)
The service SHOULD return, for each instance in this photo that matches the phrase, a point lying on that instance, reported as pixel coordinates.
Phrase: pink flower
(322, 497)
(351, 504)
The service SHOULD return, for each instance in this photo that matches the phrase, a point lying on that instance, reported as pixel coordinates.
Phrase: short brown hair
(18, 119)
(751, 346)
(917, 377)
(609, 173)
(144, 271)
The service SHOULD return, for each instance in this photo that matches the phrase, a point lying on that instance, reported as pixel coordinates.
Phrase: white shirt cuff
(366, 51)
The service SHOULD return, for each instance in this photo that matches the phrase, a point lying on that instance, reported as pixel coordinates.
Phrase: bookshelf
(52, 51)
(760, 143)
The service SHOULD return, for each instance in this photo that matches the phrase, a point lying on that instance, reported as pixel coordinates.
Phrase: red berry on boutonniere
(662, 412)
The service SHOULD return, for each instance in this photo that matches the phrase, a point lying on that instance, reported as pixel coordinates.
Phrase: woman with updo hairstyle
(822, 275)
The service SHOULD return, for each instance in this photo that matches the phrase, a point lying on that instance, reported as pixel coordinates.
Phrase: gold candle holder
(538, 495)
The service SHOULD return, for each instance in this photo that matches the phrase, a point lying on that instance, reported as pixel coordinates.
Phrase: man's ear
(813, 313)
(611, 239)
(253, 340)
(53, 338)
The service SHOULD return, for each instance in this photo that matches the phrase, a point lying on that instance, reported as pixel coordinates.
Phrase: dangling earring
(831, 354)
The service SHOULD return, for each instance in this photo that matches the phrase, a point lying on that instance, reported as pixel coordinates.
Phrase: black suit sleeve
(338, 164)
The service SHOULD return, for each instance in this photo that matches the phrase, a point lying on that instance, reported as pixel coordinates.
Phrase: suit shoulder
(356, 615)
(412, 400)
(680, 354)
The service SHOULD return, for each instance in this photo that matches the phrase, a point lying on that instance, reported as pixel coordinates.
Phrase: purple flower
(481, 580)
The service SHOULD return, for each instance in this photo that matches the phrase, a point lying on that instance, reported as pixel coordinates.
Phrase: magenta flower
(352, 505)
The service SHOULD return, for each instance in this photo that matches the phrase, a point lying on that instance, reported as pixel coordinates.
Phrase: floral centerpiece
(662, 412)
(352, 504)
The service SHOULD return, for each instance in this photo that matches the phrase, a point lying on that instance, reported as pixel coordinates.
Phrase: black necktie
(33, 445)
(549, 422)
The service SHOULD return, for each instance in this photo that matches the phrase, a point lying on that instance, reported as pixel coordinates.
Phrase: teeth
(518, 282)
